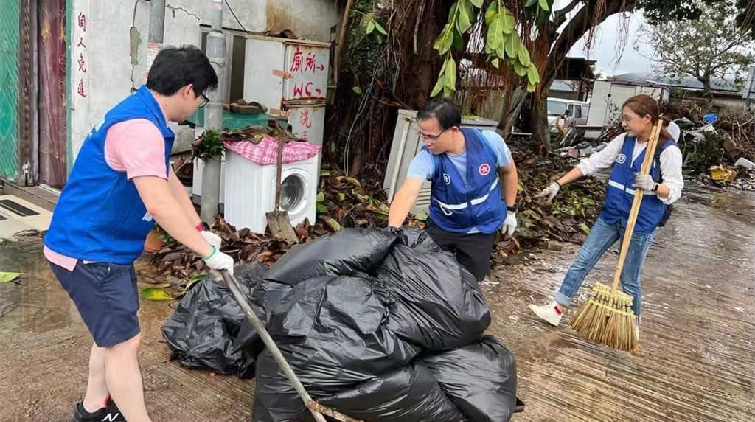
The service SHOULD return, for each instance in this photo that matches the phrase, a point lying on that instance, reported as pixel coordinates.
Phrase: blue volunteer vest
(100, 216)
(456, 206)
(620, 193)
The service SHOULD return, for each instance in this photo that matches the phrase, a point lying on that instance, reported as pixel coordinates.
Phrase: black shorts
(472, 250)
(107, 298)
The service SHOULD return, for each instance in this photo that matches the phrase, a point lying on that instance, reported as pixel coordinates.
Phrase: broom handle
(646, 164)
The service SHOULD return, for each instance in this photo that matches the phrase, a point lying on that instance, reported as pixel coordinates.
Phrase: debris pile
(573, 211)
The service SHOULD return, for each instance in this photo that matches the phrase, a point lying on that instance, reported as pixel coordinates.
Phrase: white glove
(212, 238)
(644, 181)
(509, 225)
(550, 192)
(219, 261)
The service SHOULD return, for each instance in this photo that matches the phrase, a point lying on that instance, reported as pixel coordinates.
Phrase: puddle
(36, 303)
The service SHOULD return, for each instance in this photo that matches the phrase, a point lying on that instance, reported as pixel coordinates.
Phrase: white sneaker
(548, 313)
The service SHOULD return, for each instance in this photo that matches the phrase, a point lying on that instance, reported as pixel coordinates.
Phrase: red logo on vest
(484, 169)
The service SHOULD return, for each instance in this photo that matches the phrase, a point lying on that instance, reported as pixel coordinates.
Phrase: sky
(605, 46)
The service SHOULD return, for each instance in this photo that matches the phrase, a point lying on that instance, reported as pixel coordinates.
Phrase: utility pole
(213, 117)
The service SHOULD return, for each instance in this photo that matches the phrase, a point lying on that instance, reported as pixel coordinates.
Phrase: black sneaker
(109, 413)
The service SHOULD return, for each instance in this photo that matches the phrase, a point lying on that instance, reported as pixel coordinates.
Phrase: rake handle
(638, 195)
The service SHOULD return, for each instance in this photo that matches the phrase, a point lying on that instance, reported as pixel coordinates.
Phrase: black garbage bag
(406, 394)
(480, 379)
(347, 252)
(264, 298)
(409, 393)
(275, 399)
(334, 333)
(202, 330)
(420, 241)
(437, 304)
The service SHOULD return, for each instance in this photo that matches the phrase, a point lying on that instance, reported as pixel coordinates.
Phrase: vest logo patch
(147, 217)
(446, 178)
(484, 169)
(621, 158)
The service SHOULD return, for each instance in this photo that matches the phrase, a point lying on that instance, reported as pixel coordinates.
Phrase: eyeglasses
(205, 100)
(430, 138)
(626, 119)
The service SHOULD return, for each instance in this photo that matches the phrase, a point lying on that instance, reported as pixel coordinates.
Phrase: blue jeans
(601, 238)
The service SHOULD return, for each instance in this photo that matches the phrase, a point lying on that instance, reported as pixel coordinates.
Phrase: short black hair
(176, 67)
(444, 110)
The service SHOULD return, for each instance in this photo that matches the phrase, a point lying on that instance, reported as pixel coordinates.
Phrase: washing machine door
(293, 193)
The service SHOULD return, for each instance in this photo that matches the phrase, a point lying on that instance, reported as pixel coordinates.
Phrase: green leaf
(465, 16)
(512, 46)
(370, 27)
(324, 173)
(341, 196)
(544, 5)
(530, 3)
(495, 36)
(333, 224)
(444, 41)
(524, 56)
(507, 21)
(380, 28)
(6, 277)
(452, 12)
(584, 228)
(153, 293)
(422, 215)
(495, 63)
(438, 87)
(321, 208)
(492, 13)
(533, 75)
(531, 87)
(450, 76)
(320, 196)
(357, 90)
(353, 181)
(519, 69)
(192, 281)
(477, 3)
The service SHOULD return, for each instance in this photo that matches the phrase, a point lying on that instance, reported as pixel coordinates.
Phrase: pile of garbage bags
(379, 325)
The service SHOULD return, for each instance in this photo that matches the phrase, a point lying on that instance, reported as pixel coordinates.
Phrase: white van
(563, 114)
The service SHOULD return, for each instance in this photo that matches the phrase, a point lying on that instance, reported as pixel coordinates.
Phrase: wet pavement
(697, 336)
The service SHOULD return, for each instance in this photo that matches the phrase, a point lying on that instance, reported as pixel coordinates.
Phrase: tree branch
(575, 30)
(559, 16)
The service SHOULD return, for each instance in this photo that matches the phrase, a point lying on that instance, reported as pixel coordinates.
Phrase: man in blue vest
(121, 183)
(474, 185)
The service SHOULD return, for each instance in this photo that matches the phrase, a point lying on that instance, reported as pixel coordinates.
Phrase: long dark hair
(644, 105)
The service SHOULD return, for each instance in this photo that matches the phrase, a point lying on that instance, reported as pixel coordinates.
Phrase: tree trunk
(574, 31)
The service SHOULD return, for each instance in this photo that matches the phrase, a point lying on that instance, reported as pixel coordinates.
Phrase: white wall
(109, 69)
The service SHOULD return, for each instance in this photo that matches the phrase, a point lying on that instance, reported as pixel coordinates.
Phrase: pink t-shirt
(135, 147)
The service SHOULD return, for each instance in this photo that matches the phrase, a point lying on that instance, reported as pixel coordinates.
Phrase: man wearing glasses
(474, 184)
(121, 183)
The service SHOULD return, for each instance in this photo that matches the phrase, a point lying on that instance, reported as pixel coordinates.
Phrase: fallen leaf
(6, 277)
(153, 293)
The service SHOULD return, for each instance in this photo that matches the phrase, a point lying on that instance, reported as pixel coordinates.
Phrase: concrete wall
(105, 46)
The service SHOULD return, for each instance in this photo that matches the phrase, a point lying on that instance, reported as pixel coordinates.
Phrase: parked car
(563, 114)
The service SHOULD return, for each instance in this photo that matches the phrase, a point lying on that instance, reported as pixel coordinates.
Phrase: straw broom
(607, 316)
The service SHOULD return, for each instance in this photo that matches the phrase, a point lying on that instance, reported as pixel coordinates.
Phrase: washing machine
(250, 191)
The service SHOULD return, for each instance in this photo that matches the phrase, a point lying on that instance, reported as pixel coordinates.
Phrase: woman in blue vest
(121, 183)
(661, 188)
(474, 184)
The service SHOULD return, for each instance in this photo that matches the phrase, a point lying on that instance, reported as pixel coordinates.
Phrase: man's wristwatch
(655, 188)
(511, 208)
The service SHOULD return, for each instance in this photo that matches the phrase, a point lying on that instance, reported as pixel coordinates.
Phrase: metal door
(9, 81)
